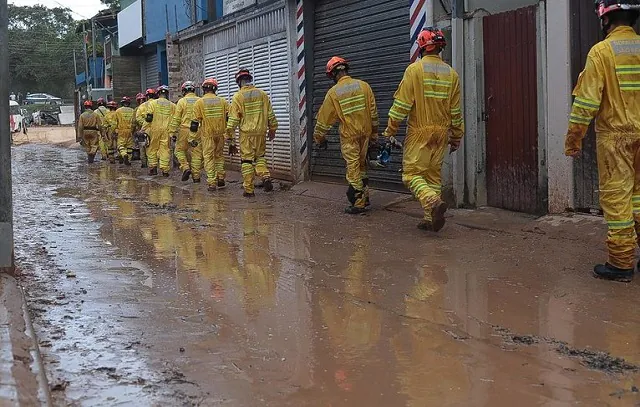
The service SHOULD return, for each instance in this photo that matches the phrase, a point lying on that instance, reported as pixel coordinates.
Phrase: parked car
(42, 98)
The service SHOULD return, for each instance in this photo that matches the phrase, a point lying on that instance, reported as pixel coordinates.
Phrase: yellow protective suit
(125, 121)
(429, 95)
(110, 133)
(251, 111)
(609, 90)
(211, 112)
(351, 101)
(140, 112)
(162, 111)
(181, 122)
(104, 145)
(90, 129)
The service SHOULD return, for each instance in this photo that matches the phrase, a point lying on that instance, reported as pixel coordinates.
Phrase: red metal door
(511, 106)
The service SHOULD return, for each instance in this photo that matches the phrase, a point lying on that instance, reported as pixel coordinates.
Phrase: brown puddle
(286, 301)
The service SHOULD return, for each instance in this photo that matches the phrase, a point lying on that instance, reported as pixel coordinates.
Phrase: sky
(81, 9)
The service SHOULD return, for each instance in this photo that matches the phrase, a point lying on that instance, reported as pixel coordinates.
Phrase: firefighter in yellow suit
(350, 101)
(102, 111)
(143, 126)
(251, 111)
(158, 115)
(109, 130)
(429, 95)
(89, 130)
(181, 123)
(208, 128)
(609, 90)
(125, 122)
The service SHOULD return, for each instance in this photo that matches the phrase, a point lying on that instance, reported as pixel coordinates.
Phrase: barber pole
(418, 18)
(302, 101)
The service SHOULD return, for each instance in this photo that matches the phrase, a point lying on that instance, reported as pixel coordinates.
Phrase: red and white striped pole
(302, 84)
(418, 19)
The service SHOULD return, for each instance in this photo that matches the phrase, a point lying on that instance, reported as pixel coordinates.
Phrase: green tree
(112, 4)
(41, 45)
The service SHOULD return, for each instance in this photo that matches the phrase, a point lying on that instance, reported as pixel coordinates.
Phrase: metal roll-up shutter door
(269, 63)
(223, 66)
(373, 35)
(151, 69)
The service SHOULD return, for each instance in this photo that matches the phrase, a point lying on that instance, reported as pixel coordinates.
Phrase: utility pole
(6, 192)
(86, 56)
(93, 35)
(75, 66)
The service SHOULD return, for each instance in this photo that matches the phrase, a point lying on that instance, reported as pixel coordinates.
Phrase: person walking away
(252, 113)
(158, 114)
(89, 128)
(181, 123)
(608, 89)
(104, 145)
(140, 138)
(110, 131)
(209, 128)
(351, 102)
(125, 119)
(142, 124)
(429, 95)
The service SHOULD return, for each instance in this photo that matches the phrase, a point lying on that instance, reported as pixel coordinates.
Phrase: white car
(42, 98)
(16, 119)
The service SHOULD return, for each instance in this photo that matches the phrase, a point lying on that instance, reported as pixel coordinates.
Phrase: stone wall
(185, 62)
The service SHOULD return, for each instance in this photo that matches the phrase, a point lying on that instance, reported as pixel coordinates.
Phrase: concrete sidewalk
(22, 379)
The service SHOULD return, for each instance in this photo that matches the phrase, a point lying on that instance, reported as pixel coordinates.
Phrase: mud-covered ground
(147, 291)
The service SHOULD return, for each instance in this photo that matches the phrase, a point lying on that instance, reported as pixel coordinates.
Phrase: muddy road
(147, 291)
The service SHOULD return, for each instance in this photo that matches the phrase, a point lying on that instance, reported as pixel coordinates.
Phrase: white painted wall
(130, 24)
(558, 94)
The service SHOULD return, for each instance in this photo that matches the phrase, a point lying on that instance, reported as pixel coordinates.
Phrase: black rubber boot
(120, 159)
(268, 185)
(196, 180)
(437, 215)
(126, 160)
(221, 184)
(186, 175)
(91, 158)
(425, 225)
(144, 165)
(153, 171)
(354, 210)
(165, 174)
(103, 157)
(249, 194)
(608, 272)
(211, 188)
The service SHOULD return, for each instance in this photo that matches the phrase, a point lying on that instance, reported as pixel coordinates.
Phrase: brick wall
(186, 63)
(126, 76)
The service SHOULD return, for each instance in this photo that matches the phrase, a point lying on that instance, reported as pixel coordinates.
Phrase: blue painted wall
(157, 13)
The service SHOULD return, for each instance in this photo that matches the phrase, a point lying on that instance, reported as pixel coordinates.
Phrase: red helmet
(112, 103)
(243, 73)
(87, 103)
(431, 39)
(140, 97)
(210, 83)
(604, 7)
(334, 63)
(100, 102)
(150, 92)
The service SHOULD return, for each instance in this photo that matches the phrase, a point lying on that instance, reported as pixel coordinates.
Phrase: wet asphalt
(148, 291)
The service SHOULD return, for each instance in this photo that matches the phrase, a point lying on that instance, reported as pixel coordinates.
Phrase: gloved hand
(272, 135)
(233, 150)
(374, 150)
(322, 145)
(395, 143)
(193, 143)
(573, 144)
(454, 145)
(174, 138)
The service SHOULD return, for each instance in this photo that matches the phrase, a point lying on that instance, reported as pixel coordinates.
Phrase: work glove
(454, 145)
(395, 143)
(174, 138)
(272, 135)
(573, 144)
(322, 145)
(193, 143)
(233, 150)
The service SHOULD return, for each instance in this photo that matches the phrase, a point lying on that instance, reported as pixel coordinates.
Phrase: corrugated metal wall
(126, 70)
(152, 71)
(585, 33)
(512, 108)
(374, 36)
